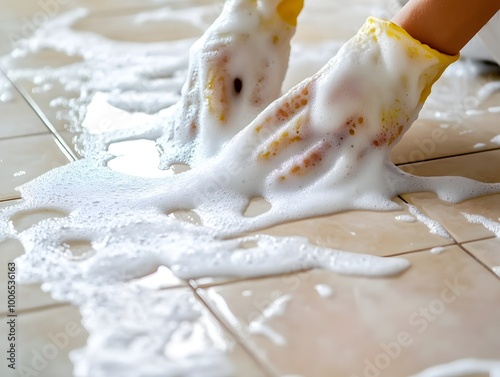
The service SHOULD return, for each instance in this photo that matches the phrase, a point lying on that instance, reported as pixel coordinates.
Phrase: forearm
(445, 25)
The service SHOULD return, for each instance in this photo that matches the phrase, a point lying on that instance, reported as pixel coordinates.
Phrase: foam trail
(433, 225)
(462, 367)
(491, 225)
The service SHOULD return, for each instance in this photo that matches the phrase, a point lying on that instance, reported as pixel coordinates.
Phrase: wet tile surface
(481, 166)
(44, 341)
(431, 139)
(487, 251)
(369, 232)
(314, 323)
(18, 118)
(23, 159)
(28, 297)
(463, 124)
(318, 323)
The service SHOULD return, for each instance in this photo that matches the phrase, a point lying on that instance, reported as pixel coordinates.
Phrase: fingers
(236, 70)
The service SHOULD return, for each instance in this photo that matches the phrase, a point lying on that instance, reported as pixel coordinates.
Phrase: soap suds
(491, 225)
(275, 309)
(332, 155)
(437, 250)
(6, 94)
(496, 140)
(496, 270)
(323, 290)
(479, 145)
(434, 226)
(405, 218)
(464, 367)
(138, 331)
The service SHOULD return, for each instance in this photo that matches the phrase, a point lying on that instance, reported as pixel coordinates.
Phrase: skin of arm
(445, 25)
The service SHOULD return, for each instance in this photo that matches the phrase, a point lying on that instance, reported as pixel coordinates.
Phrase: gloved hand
(235, 70)
(331, 135)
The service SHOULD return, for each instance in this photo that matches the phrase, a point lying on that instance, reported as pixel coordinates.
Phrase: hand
(235, 70)
(445, 25)
(335, 130)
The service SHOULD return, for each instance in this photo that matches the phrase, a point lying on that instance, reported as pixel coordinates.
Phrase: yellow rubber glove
(236, 69)
(363, 100)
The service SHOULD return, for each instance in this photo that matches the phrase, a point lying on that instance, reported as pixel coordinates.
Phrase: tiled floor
(445, 307)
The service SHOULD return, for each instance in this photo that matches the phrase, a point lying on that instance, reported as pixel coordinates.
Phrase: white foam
(496, 139)
(324, 290)
(487, 90)
(6, 94)
(434, 226)
(137, 331)
(405, 218)
(489, 224)
(464, 367)
(213, 107)
(437, 250)
(126, 217)
(260, 326)
(479, 145)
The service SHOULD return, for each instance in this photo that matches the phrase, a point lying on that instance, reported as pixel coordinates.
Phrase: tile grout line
(446, 157)
(477, 240)
(452, 243)
(262, 364)
(23, 136)
(10, 199)
(478, 261)
(39, 309)
(34, 106)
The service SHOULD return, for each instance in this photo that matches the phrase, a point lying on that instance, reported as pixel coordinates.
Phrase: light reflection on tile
(487, 251)
(101, 117)
(421, 318)
(18, 118)
(34, 155)
(28, 296)
(53, 332)
(480, 166)
(138, 158)
(369, 232)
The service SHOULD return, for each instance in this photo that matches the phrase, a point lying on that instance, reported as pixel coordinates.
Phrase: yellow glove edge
(374, 25)
(395, 31)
